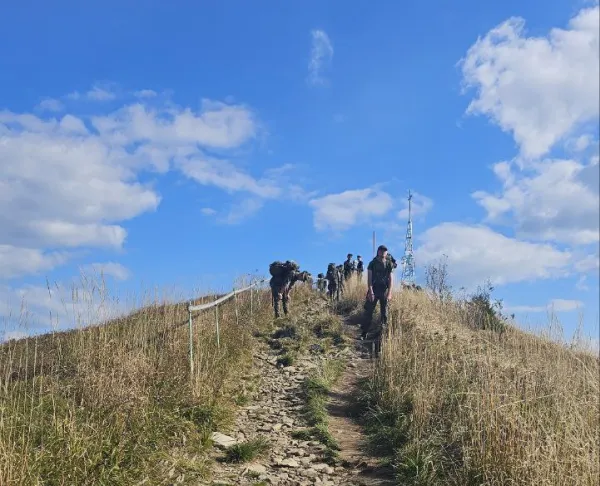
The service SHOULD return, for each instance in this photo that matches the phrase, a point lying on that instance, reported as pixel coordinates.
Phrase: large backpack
(280, 269)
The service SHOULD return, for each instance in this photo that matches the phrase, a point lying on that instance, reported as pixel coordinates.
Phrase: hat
(358, 256)
(382, 248)
(349, 255)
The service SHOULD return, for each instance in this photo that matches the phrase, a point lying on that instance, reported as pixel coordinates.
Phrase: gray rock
(289, 463)
(222, 441)
(257, 468)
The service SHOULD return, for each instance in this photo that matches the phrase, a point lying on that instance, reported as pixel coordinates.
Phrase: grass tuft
(247, 451)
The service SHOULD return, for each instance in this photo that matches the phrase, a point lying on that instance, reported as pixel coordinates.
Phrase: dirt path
(344, 422)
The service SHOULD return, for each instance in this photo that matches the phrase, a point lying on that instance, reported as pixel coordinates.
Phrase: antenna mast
(408, 261)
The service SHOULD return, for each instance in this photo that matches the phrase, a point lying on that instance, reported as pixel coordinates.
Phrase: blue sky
(178, 147)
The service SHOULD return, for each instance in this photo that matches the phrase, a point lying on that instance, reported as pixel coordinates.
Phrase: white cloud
(538, 88)
(343, 210)
(100, 94)
(321, 55)
(477, 253)
(70, 182)
(104, 92)
(15, 261)
(421, 205)
(222, 174)
(50, 104)
(208, 211)
(145, 93)
(555, 305)
(108, 269)
(556, 200)
(218, 125)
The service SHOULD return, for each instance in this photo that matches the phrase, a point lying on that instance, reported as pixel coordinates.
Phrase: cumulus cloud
(50, 104)
(343, 210)
(70, 182)
(17, 261)
(538, 88)
(98, 92)
(321, 55)
(222, 174)
(554, 200)
(477, 253)
(555, 305)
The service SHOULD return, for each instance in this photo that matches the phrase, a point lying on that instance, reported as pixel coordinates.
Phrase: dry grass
(116, 404)
(463, 406)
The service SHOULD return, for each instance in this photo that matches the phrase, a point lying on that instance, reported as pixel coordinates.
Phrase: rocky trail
(277, 416)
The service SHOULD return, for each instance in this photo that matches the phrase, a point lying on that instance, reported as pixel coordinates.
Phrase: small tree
(485, 313)
(436, 278)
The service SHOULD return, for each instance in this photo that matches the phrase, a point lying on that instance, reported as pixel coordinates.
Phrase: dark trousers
(332, 290)
(276, 292)
(370, 308)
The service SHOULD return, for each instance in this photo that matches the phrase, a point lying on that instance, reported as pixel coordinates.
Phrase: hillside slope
(446, 402)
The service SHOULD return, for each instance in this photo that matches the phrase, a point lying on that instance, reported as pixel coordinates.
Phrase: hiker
(332, 280)
(380, 282)
(348, 267)
(284, 276)
(360, 267)
(321, 283)
(340, 280)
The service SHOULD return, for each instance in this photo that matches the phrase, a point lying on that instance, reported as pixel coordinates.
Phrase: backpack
(280, 269)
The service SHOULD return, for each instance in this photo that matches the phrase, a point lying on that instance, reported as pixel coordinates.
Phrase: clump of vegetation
(316, 389)
(286, 359)
(247, 451)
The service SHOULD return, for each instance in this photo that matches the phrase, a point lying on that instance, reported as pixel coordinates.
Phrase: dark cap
(349, 254)
(382, 248)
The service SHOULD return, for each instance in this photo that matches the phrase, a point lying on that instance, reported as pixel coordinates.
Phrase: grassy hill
(452, 399)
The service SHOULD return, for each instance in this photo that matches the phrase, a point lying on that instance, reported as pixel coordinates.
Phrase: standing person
(348, 266)
(340, 279)
(284, 276)
(380, 282)
(332, 279)
(321, 283)
(360, 267)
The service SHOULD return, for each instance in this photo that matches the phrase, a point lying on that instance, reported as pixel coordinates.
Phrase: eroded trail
(277, 414)
(344, 421)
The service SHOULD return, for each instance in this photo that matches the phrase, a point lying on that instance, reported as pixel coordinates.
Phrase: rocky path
(277, 412)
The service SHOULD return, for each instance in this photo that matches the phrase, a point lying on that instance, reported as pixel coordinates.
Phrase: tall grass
(462, 405)
(116, 404)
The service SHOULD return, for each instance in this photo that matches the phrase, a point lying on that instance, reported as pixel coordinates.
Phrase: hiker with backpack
(283, 277)
(332, 281)
(348, 267)
(321, 283)
(380, 282)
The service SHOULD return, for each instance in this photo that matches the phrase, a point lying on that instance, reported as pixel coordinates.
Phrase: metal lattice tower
(408, 261)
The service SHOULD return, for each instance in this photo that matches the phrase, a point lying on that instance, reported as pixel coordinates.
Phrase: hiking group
(380, 282)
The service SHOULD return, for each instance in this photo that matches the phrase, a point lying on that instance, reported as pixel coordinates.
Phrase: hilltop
(456, 396)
